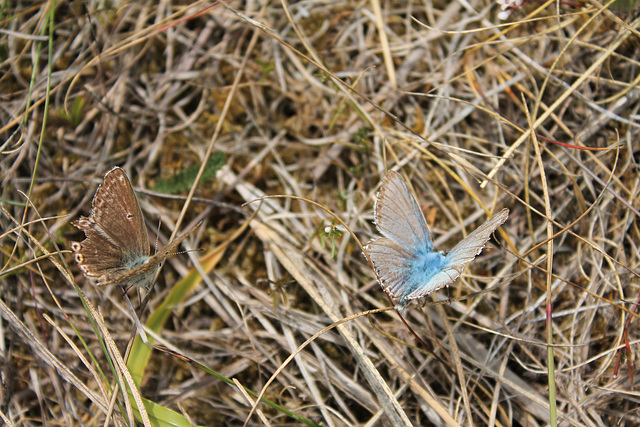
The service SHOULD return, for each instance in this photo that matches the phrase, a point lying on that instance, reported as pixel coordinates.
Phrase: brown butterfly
(116, 247)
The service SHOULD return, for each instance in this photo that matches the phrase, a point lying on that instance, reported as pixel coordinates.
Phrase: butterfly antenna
(158, 234)
(184, 252)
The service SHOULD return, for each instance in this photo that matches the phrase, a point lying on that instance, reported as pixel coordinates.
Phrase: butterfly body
(116, 247)
(427, 265)
(404, 260)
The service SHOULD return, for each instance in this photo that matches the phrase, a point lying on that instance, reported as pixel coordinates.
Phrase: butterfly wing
(116, 236)
(391, 263)
(463, 253)
(398, 216)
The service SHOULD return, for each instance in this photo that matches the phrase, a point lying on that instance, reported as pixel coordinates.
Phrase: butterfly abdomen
(135, 260)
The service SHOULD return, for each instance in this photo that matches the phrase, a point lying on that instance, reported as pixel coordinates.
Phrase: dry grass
(317, 100)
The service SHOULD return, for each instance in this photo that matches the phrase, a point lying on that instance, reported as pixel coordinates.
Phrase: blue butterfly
(403, 259)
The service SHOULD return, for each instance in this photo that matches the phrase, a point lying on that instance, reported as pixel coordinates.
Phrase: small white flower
(507, 7)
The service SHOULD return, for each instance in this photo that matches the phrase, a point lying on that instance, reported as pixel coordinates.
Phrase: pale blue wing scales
(438, 281)
(398, 216)
(463, 253)
(391, 263)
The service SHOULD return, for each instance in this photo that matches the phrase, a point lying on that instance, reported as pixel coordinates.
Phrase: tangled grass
(315, 101)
